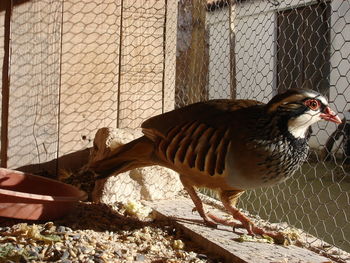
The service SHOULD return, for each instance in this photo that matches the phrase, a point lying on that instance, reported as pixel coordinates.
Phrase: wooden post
(169, 72)
(193, 54)
(232, 15)
(5, 90)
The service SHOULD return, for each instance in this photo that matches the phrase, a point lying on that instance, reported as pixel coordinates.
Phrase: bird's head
(300, 108)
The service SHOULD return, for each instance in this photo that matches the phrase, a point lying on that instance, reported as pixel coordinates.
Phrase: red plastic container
(32, 197)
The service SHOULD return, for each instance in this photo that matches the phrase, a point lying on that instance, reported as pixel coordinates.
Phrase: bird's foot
(278, 237)
(223, 221)
(210, 223)
(207, 219)
(212, 220)
(251, 228)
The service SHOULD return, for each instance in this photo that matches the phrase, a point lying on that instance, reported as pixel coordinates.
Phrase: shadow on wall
(70, 162)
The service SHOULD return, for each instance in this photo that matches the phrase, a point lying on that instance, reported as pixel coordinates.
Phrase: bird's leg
(223, 221)
(197, 202)
(229, 199)
(233, 200)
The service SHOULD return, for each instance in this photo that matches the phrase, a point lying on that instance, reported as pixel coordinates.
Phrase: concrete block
(147, 183)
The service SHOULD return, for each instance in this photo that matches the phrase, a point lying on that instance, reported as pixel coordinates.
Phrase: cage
(71, 67)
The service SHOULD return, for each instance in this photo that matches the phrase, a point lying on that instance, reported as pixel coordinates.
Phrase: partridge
(226, 145)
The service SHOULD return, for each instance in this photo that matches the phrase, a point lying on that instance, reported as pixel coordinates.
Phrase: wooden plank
(221, 240)
(233, 73)
(2, 33)
(5, 20)
(35, 78)
(139, 107)
(141, 80)
(90, 52)
(170, 56)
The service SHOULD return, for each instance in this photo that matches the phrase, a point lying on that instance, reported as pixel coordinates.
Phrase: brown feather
(225, 145)
(215, 113)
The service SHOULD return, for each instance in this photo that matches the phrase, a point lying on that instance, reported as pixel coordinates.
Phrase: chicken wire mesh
(76, 66)
(113, 59)
(259, 48)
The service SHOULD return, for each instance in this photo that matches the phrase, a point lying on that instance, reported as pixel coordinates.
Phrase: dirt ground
(96, 233)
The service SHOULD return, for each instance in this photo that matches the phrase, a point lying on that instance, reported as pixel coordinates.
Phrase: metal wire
(291, 44)
(77, 66)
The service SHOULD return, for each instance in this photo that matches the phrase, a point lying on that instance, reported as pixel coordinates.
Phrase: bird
(227, 145)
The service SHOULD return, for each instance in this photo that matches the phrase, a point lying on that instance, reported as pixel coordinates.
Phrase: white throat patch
(299, 125)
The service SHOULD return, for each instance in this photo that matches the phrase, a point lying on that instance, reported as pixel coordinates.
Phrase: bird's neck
(291, 130)
(279, 126)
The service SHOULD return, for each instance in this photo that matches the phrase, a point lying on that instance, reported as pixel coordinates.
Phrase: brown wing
(198, 136)
(214, 113)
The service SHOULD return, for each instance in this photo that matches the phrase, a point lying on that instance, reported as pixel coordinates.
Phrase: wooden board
(170, 56)
(112, 67)
(221, 241)
(66, 78)
(142, 62)
(34, 84)
(89, 91)
(4, 68)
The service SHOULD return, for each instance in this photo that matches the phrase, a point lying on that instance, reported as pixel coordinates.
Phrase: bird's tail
(135, 154)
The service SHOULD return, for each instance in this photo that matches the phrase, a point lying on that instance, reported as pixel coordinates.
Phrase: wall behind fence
(79, 66)
(76, 66)
(258, 48)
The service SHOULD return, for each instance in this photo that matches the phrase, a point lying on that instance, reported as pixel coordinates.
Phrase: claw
(278, 237)
(210, 223)
(221, 221)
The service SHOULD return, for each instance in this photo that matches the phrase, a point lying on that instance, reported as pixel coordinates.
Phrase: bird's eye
(313, 104)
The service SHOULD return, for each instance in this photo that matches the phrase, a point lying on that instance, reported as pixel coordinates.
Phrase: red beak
(329, 115)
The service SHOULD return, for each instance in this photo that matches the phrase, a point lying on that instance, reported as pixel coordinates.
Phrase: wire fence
(76, 66)
(256, 49)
